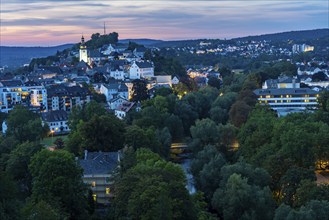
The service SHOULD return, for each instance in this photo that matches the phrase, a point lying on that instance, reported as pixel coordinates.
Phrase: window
(93, 184)
(107, 190)
(94, 197)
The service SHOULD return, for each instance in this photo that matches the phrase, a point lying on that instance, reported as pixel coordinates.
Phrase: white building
(122, 110)
(301, 48)
(141, 70)
(114, 90)
(57, 121)
(12, 92)
(38, 95)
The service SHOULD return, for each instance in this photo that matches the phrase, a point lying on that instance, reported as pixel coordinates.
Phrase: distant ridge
(143, 41)
(291, 35)
(303, 35)
(13, 56)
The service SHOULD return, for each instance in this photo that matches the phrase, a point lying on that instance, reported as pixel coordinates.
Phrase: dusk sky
(55, 22)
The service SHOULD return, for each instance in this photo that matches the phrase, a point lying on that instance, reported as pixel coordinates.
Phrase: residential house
(116, 102)
(141, 70)
(57, 121)
(139, 52)
(122, 110)
(97, 174)
(114, 90)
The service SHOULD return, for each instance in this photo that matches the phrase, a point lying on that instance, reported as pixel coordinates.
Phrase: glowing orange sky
(54, 22)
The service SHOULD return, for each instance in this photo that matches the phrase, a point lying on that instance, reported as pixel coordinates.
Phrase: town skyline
(54, 24)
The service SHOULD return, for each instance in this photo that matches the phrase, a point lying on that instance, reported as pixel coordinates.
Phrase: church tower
(83, 51)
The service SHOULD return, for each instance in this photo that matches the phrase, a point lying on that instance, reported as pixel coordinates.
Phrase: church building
(83, 51)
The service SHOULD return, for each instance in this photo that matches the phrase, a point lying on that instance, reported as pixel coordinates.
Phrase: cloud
(66, 20)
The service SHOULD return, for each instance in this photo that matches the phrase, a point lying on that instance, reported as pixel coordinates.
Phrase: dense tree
(24, 125)
(175, 126)
(292, 180)
(139, 89)
(17, 164)
(9, 205)
(61, 188)
(313, 210)
(85, 113)
(150, 187)
(239, 113)
(205, 130)
(105, 133)
(214, 82)
(98, 40)
(240, 200)
(39, 211)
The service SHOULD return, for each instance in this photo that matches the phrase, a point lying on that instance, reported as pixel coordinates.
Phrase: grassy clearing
(49, 141)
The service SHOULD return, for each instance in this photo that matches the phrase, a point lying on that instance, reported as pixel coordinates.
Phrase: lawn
(49, 141)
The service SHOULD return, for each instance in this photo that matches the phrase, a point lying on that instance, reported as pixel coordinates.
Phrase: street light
(52, 136)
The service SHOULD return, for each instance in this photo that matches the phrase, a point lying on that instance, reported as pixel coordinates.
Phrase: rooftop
(99, 162)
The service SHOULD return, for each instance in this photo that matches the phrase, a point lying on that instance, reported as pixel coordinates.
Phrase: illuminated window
(93, 184)
(107, 190)
(268, 96)
(94, 197)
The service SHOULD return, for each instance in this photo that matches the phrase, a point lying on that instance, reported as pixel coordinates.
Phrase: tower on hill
(83, 51)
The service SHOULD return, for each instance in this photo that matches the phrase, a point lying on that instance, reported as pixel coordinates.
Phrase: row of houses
(40, 98)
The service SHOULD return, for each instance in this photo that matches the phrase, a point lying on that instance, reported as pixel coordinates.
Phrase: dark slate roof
(53, 116)
(144, 64)
(126, 106)
(289, 91)
(287, 79)
(61, 90)
(32, 83)
(95, 53)
(11, 83)
(99, 162)
(82, 64)
(51, 69)
(121, 87)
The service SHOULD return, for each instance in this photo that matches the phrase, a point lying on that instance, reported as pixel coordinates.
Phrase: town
(106, 120)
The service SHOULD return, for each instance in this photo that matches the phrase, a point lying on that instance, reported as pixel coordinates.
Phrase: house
(97, 174)
(113, 90)
(94, 56)
(117, 72)
(123, 109)
(139, 52)
(141, 70)
(163, 80)
(281, 83)
(116, 102)
(57, 121)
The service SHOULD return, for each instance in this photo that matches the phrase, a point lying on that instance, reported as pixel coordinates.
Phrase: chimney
(294, 83)
(86, 154)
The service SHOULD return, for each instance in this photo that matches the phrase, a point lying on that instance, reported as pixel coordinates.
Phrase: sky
(55, 22)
